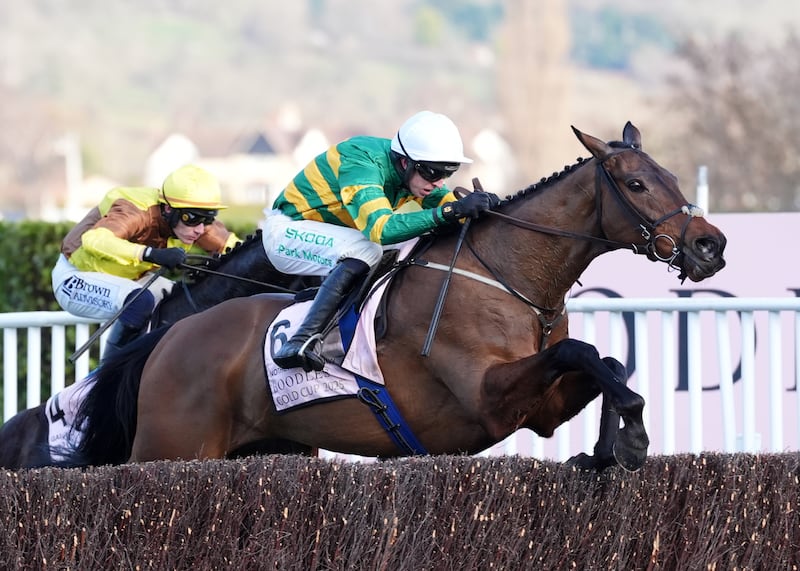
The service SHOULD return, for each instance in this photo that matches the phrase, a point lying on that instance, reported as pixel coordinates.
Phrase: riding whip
(437, 310)
(100, 330)
(201, 269)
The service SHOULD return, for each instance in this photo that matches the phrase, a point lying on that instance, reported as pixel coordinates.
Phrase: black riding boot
(298, 351)
(131, 323)
(120, 335)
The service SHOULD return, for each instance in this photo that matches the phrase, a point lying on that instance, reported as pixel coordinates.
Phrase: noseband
(648, 227)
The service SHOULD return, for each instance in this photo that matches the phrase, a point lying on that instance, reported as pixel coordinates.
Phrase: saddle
(349, 348)
(392, 262)
(349, 340)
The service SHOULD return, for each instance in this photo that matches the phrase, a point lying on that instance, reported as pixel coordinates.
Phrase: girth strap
(377, 398)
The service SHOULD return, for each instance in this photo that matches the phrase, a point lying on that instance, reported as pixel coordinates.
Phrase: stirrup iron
(308, 343)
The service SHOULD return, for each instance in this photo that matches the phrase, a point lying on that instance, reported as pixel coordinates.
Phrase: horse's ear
(599, 149)
(631, 136)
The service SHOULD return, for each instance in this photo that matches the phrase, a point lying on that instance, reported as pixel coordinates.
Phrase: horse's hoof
(585, 462)
(630, 459)
(581, 461)
(630, 447)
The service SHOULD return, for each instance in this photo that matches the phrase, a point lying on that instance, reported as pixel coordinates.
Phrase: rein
(202, 269)
(648, 248)
(648, 227)
(187, 293)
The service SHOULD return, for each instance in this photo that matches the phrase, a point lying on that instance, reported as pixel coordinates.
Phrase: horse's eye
(635, 186)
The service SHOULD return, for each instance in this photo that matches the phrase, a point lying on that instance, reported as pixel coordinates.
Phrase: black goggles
(197, 217)
(433, 172)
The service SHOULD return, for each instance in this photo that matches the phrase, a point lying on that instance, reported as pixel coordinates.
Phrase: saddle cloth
(349, 350)
(60, 410)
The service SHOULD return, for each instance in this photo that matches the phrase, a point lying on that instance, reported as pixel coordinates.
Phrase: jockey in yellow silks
(108, 256)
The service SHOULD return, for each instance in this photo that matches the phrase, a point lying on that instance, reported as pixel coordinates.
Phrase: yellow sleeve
(103, 243)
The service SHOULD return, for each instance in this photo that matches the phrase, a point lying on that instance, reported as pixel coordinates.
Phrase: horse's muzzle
(703, 256)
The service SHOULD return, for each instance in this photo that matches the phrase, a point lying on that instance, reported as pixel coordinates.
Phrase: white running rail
(718, 374)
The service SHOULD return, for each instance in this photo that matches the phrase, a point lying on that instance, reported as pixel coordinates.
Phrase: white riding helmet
(430, 137)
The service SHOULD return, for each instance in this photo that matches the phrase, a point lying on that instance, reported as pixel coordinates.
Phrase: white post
(775, 383)
(695, 372)
(34, 396)
(668, 383)
(726, 382)
(70, 147)
(748, 383)
(702, 188)
(590, 423)
(9, 373)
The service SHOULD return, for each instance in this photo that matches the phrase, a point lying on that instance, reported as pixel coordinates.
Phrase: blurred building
(252, 167)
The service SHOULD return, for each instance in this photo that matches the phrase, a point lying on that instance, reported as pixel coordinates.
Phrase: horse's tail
(23, 440)
(105, 422)
(8, 452)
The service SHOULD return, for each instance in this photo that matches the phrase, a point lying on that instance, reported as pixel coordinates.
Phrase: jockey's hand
(471, 206)
(168, 257)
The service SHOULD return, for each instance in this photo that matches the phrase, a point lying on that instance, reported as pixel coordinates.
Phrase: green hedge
(28, 251)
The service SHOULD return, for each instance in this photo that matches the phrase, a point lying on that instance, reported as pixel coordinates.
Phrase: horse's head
(657, 219)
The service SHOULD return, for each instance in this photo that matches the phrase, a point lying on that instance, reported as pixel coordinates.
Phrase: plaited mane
(545, 181)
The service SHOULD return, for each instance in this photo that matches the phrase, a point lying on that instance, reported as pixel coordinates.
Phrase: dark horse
(502, 358)
(242, 271)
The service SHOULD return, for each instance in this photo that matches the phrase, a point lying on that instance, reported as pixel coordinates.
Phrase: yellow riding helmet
(192, 187)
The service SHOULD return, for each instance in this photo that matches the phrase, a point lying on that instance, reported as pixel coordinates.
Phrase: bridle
(647, 226)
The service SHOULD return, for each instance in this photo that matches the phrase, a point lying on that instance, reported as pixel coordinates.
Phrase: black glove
(167, 257)
(471, 206)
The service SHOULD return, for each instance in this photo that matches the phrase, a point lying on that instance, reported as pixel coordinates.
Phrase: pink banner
(757, 266)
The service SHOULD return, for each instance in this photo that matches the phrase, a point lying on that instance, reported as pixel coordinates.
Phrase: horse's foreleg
(555, 385)
(626, 447)
(629, 443)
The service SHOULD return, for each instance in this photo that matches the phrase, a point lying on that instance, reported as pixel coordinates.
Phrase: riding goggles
(197, 217)
(433, 172)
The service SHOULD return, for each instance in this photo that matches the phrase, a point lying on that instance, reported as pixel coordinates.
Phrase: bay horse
(502, 359)
(207, 281)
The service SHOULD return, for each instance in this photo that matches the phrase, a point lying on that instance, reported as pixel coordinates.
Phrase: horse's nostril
(709, 247)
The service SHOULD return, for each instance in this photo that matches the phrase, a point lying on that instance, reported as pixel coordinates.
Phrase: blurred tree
(476, 19)
(428, 25)
(26, 158)
(533, 85)
(741, 118)
(609, 37)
